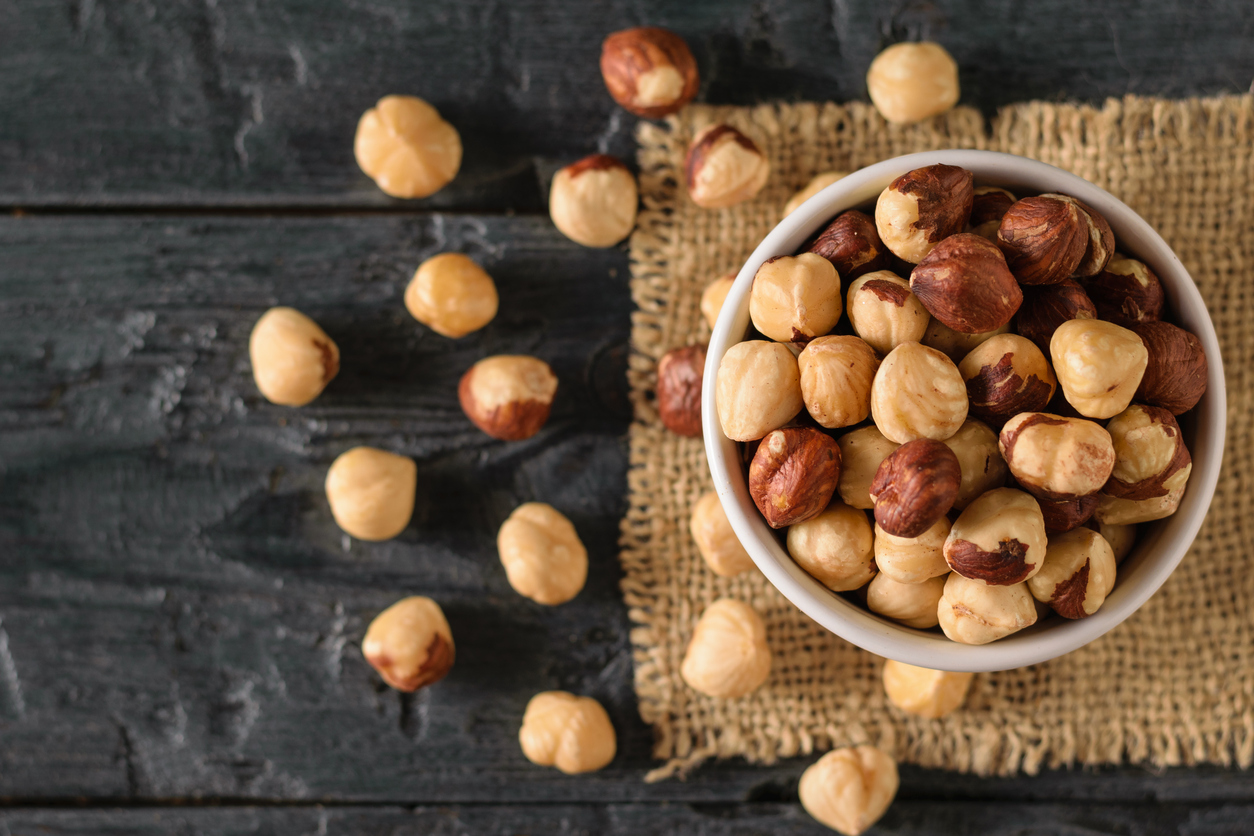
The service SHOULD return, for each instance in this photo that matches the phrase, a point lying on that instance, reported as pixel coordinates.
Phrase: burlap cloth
(1173, 685)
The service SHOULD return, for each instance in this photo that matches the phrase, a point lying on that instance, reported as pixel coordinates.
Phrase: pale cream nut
(923, 691)
(817, 184)
(371, 492)
(1120, 537)
(999, 539)
(1150, 456)
(836, 547)
(571, 733)
(1057, 458)
(795, 298)
(913, 560)
(972, 612)
(910, 82)
(836, 375)
(410, 644)
(983, 468)
(1114, 511)
(923, 207)
(406, 148)
(1098, 364)
(884, 312)
(713, 296)
(292, 358)
(861, 453)
(724, 167)
(954, 344)
(728, 655)
(758, 389)
(718, 544)
(911, 604)
(1078, 573)
(451, 295)
(849, 789)
(593, 202)
(918, 393)
(543, 556)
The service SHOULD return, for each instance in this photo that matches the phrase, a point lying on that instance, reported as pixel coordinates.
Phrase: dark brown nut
(999, 539)
(988, 204)
(1112, 510)
(918, 393)
(1044, 239)
(852, 245)
(835, 547)
(1127, 292)
(508, 396)
(724, 167)
(861, 452)
(953, 344)
(1175, 376)
(1101, 238)
(1078, 573)
(964, 282)
(913, 559)
(915, 487)
(1065, 514)
(593, 201)
(1150, 457)
(817, 183)
(410, 644)
(1046, 307)
(983, 468)
(884, 312)
(758, 389)
(1005, 376)
(836, 376)
(912, 604)
(972, 612)
(795, 298)
(1055, 457)
(679, 374)
(923, 207)
(1099, 365)
(793, 475)
(1121, 538)
(714, 295)
(649, 71)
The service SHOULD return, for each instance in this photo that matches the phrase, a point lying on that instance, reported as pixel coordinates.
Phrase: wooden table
(179, 616)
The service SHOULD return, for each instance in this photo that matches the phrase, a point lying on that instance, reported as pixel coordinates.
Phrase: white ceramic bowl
(1160, 545)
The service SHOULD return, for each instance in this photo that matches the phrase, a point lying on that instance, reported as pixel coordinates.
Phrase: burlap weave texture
(1173, 685)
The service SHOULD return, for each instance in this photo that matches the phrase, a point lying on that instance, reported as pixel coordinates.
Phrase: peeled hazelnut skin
(915, 487)
(1047, 306)
(1113, 510)
(817, 183)
(1066, 514)
(972, 612)
(849, 789)
(1044, 239)
(793, 474)
(795, 298)
(1127, 292)
(923, 207)
(292, 358)
(983, 468)
(571, 733)
(410, 644)
(757, 389)
(717, 543)
(918, 393)
(713, 296)
(728, 655)
(679, 375)
(1175, 374)
(371, 492)
(836, 547)
(852, 244)
(861, 452)
(1078, 574)
(913, 560)
(923, 691)
(406, 148)
(451, 295)
(910, 82)
(724, 167)
(953, 344)
(1057, 458)
(1150, 457)
(884, 312)
(543, 556)
(593, 201)
(836, 377)
(649, 71)
(911, 604)
(508, 396)
(964, 282)
(998, 540)
(1099, 365)
(1005, 376)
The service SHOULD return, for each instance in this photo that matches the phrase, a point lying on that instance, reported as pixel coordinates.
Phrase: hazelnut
(983, 468)
(913, 560)
(1047, 306)
(793, 474)
(911, 604)
(451, 295)
(410, 644)
(371, 492)
(1120, 537)
(964, 282)
(923, 691)
(293, 359)
(758, 389)
(1055, 457)
(406, 148)
(724, 167)
(1101, 238)
(649, 71)
(817, 184)
(1078, 573)
(918, 393)
(910, 82)
(953, 344)
(795, 298)
(718, 544)
(923, 207)
(593, 202)
(1127, 292)
(1005, 376)
(972, 612)
(728, 655)
(571, 733)
(836, 376)
(998, 540)
(508, 396)
(1065, 514)
(861, 453)
(1044, 239)
(988, 206)
(884, 312)
(849, 789)
(1175, 375)
(836, 547)
(714, 295)
(543, 556)
(679, 375)
(1099, 365)
(1150, 456)
(852, 244)
(915, 487)
(1112, 510)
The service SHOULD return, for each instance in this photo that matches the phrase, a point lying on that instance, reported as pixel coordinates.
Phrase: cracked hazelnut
(972, 612)
(679, 375)
(717, 543)
(593, 201)
(1175, 373)
(884, 312)
(728, 655)
(983, 468)
(410, 644)
(1065, 514)
(915, 487)
(1098, 364)
(923, 691)
(861, 452)
(793, 474)
(508, 396)
(571, 733)
(795, 298)
(1078, 573)
(543, 556)
(918, 393)
(1150, 457)
(910, 82)
(836, 547)
(923, 207)
(964, 282)
(1047, 306)
(1120, 537)
(1044, 239)
(649, 71)
(953, 344)
(817, 184)
(988, 206)
(1126, 292)
(1113, 510)
(1055, 457)
(758, 389)
(451, 295)
(999, 539)
(406, 148)
(912, 560)
(849, 789)
(1005, 376)
(836, 376)
(371, 492)
(911, 604)
(292, 358)
(1100, 246)
(724, 167)
(853, 246)
(713, 296)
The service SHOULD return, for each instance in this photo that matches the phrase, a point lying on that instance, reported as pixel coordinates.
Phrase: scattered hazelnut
(758, 389)
(817, 184)
(923, 691)
(1101, 238)
(1044, 239)
(983, 468)
(1045, 307)
(795, 298)
(293, 359)
(1078, 573)
(793, 474)
(989, 205)
(849, 789)
(406, 148)
(852, 244)
(915, 487)
(911, 604)
(910, 82)
(1055, 457)
(371, 492)
(508, 396)
(836, 547)
(1150, 456)
(923, 207)
(861, 453)
(1127, 292)
(714, 295)
(571, 733)
(836, 376)
(884, 312)
(973, 612)
(543, 556)
(679, 375)
(913, 560)
(1065, 514)
(953, 344)
(1120, 537)
(964, 282)
(728, 655)
(918, 393)
(1112, 510)
(998, 540)
(593, 202)
(724, 167)
(410, 644)
(1005, 376)
(1099, 365)
(649, 71)
(1175, 375)
(451, 295)
(717, 543)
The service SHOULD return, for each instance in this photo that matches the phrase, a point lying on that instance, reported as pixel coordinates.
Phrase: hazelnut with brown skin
(925, 692)
(1078, 573)
(1127, 292)
(989, 205)
(965, 283)
(953, 344)
(913, 559)
(649, 71)
(1047, 306)
(1057, 458)
(836, 377)
(713, 296)
(758, 389)
(508, 396)
(861, 452)
(727, 655)
(817, 183)
(915, 487)
(1101, 238)
(836, 547)
(716, 541)
(679, 375)
(404, 145)
(1066, 514)
(1005, 376)
(923, 207)
(1150, 457)
(884, 312)
(973, 612)
(292, 358)
(911, 604)
(999, 539)
(852, 244)
(1175, 374)
(1044, 239)
(410, 644)
(724, 167)
(794, 474)
(593, 202)
(1099, 365)
(918, 393)
(983, 468)
(795, 298)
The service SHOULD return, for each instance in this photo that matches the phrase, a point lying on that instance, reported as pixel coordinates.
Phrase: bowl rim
(1154, 557)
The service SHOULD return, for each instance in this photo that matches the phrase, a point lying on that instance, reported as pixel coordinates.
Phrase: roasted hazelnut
(988, 206)
(713, 296)
(543, 556)
(973, 612)
(912, 560)
(953, 344)
(836, 376)
(910, 82)
(1127, 292)
(884, 312)
(679, 375)
(836, 547)
(911, 604)
(918, 393)
(964, 282)
(1113, 510)
(717, 543)
(451, 295)
(999, 539)
(371, 492)
(923, 691)
(915, 487)
(1099, 365)
(1066, 514)
(1120, 537)
(852, 244)
(795, 298)
(983, 468)
(1175, 374)
(292, 358)
(406, 148)
(1078, 573)
(724, 167)
(1044, 239)
(923, 207)
(817, 184)
(1047, 306)
(758, 389)
(571, 733)
(1101, 238)
(861, 453)
(793, 474)
(849, 789)
(593, 202)
(410, 644)
(649, 71)
(1150, 456)
(1055, 457)
(728, 655)
(1005, 376)
(508, 396)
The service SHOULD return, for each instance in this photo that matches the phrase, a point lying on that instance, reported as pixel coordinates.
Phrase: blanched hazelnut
(1055, 457)
(983, 468)
(849, 789)
(1005, 376)
(508, 396)
(713, 296)
(543, 556)
(915, 487)
(406, 148)
(1099, 365)
(1044, 239)
(923, 207)
(793, 474)
(836, 376)
(953, 344)
(571, 733)
(1175, 374)
(988, 206)
(911, 604)
(836, 547)
(715, 540)
(964, 282)
(918, 393)
(371, 492)
(1045, 307)
(1112, 510)
(795, 298)
(1120, 537)
(1101, 238)
(1078, 574)
(973, 612)
(679, 376)
(593, 201)
(852, 244)
(451, 295)
(1127, 292)
(923, 691)
(410, 644)
(884, 312)
(913, 560)
(1150, 457)
(728, 655)
(1066, 514)
(998, 540)
(817, 183)
(724, 167)
(861, 453)
(292, 358)
(910, 82)
(758, 389)
(649, 71)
